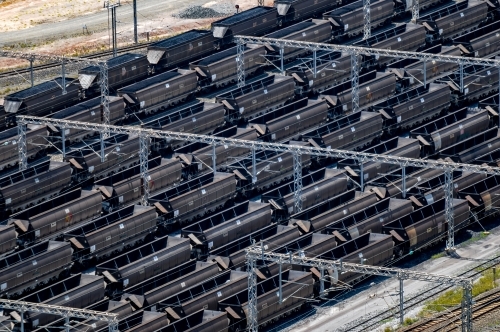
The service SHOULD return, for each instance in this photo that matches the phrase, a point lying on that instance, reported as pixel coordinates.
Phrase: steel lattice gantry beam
(253, 146)
(367, 28)
(103, 77)
(23, 120)
(356, 51)
(337, 266)
(67, 312)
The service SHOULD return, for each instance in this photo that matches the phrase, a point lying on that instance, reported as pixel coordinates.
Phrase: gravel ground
(487, 323)
(211, 11)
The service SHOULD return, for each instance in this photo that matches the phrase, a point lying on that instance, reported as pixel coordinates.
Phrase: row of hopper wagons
(161, 276)
(219, 69)
(299, 224)
(119, 173)
(277, 198)
(67, 215)
(254, 99)
(272, 113)
(120, 168)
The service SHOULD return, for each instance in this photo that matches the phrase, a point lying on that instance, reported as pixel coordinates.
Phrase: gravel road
(150, 10)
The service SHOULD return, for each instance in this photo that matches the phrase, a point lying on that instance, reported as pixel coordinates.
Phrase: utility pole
(134, 5)
(112, 7)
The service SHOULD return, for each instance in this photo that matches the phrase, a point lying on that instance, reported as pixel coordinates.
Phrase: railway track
(90, 56)
(450, 320)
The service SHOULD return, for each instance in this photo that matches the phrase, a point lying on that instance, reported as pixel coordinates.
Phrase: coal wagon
(88, 111)
(52, 217)
(369, 220)
(480, 43)
(403, 37)
(171, 282)
(144, 262)
(398, 146)
(33, 266)
(425, 225)
(288, 121)
(124, 187)
(198, 157)
(295, 10)
(271, 169)
(331, 69)
(258, 97)
(317, 187)
(36, 136)
(120, 153)
(454, 20)
(40, 100)
(329, 211)
(220, 69)
(348, 20)
(112, 233)
(77, 291)
(233, 254)
(123, 69)
(450, 129)
(373, 86)
(227, 226)
(159, 92)
(369, 249)
(351, 132)
(413, 107)
(183, 48)
(256, 21)
(32, 185)
(315, 31)
(205, 295)
(200, 118)
(296, 289)
(194, 198)
(474, 148)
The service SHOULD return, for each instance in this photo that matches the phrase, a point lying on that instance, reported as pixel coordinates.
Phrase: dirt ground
(55, 26)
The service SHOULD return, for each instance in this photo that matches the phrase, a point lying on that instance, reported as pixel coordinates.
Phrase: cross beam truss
(23, 120)
(355, 51)
(255, 253)
(21, 307)
(367, 51)
(49, 58)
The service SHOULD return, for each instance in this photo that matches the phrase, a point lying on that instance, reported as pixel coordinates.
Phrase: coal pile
(198, 12)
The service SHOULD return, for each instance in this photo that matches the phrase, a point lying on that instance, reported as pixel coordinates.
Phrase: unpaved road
(152, 15)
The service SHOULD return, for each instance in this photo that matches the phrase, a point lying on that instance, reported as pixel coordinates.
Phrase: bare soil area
(57, 26)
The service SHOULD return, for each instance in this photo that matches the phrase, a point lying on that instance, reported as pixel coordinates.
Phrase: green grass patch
(453, 297)
(438, 255)
(408, 321)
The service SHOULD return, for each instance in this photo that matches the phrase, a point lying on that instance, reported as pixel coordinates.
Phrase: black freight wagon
(112, 233)
(33, 266)
(173, 51)
(50, 218)
(36, 136)
(256, 21)
(144, 262)
(40, 100)
(123, 69)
